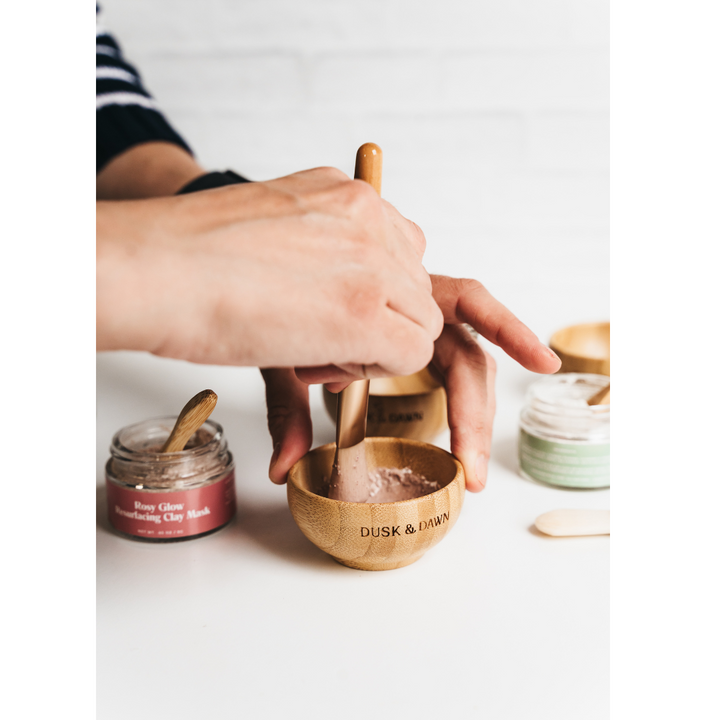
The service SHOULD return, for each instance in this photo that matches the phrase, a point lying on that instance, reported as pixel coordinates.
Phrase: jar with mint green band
(564, 441)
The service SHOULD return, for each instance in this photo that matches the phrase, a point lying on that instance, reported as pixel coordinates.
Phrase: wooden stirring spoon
(197, 410)
(349, 479)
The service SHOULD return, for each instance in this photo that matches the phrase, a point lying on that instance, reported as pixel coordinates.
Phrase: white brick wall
(492, 114)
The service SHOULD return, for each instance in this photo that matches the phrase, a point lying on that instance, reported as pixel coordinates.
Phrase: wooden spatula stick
(197, 410)
(349, 480)
(563, 523)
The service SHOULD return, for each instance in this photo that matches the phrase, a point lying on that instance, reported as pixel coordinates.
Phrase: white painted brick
(354, 25)
(484, 24)
(492, 115)
(500, 256)
(311, 27)
(519, 198)
(441, 142)
(377, 81)
(329, 25)
(551, 80)
(569, 140)
(562, 197)
(225, 83)
(144, 27)
(544, 196)
(590, 22)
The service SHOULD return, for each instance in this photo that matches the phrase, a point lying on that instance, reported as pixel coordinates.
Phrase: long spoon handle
(368, 165)
(352, 404)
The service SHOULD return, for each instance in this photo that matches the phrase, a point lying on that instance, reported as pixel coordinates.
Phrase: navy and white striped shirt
(126, 113)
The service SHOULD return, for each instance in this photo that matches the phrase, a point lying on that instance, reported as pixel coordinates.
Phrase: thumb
(288, 413)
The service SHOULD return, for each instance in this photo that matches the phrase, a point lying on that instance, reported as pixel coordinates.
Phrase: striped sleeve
(126, 114)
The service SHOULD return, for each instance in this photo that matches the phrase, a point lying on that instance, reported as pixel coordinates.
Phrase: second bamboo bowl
(583, 348)
(413, 406)
(377, 536)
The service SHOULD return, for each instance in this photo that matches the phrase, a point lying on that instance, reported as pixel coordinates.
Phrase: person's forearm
(153, 169)
(116, 291)
(309, 270)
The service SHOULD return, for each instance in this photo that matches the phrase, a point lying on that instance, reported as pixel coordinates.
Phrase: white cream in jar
(564, 441)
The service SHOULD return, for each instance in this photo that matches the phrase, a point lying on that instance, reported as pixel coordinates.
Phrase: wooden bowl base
(360, 565)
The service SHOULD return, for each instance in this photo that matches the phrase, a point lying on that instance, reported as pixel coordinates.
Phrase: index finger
(464, 300)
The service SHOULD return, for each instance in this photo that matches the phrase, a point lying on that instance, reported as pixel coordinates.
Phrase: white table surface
(254, 621)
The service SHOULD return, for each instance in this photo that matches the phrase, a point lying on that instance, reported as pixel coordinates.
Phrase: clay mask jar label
(169, 496)
(567, 464)
(170, 515)
(563, 440)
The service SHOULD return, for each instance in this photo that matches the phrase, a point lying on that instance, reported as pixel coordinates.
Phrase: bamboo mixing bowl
(413, 406)
(377, 536)
(583, 348)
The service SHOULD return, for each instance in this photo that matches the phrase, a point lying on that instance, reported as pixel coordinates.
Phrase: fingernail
(551, 354)
(275, 455)
(481, 469)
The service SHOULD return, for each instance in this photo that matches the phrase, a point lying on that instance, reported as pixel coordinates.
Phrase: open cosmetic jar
(163, 497)
(564, 441)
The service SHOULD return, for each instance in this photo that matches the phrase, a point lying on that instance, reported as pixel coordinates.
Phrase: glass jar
(564, 441)
(169, 496)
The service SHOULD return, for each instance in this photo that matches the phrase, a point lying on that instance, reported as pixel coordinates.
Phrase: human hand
(312, 269)
(466, 370)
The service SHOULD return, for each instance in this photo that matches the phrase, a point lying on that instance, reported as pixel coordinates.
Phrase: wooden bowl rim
(408, 395)
(430, 391)
(459, 472)
(592, 325)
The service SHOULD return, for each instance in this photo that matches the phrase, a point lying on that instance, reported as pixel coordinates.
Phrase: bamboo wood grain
(197, 410)
(377, 536)
(583, 348)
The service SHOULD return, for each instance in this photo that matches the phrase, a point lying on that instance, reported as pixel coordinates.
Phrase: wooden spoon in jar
(601, 397)
(190, 420)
